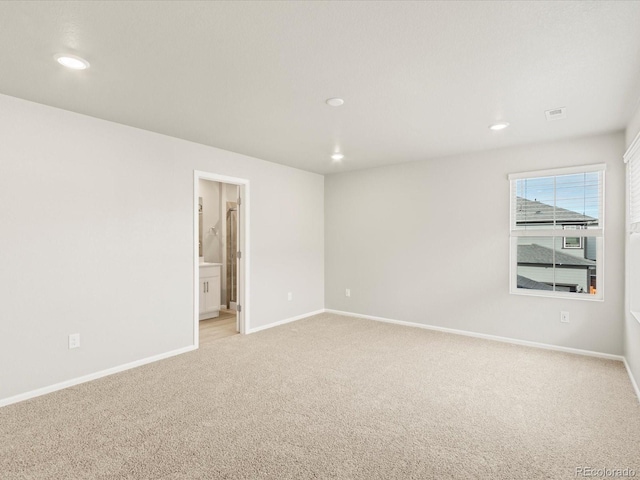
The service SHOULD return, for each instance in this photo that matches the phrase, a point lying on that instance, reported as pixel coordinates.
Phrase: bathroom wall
(215, 196)
(228, 193)
(212, 243)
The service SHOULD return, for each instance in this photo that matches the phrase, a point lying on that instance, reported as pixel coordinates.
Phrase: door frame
(243, 245)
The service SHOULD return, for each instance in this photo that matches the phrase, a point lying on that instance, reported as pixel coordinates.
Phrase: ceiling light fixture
(498, 126)
(337, 156)
(73, 62)
(335, 102)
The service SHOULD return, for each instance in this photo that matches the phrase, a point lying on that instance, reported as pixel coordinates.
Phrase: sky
(576, 192)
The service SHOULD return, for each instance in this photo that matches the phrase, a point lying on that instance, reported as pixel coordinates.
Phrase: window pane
(578, 193)
(534, 202)
(545, 264)
(558, 201)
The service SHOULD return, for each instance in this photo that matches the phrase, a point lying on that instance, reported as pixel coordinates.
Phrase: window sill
(566, 296)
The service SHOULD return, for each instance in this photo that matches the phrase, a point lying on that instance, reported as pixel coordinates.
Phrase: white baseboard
(286, 320)
(632, 378)
(485, 336)
(110, 371)
(92, 376)
(127, 366)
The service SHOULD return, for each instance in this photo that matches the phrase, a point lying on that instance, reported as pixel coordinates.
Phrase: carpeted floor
(334, 397)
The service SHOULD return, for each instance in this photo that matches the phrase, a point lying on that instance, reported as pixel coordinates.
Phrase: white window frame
(555, 233)
(632, 271)
(632, 159)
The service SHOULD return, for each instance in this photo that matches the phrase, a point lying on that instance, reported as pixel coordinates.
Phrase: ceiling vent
(556, 113)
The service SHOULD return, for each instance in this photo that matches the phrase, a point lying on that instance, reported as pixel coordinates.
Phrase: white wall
(105, 248)
(228, 193)
(211, 243)
(632, 326)
(428, 242)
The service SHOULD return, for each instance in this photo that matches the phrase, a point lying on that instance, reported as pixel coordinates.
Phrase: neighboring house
(524, 282)
(572, 257)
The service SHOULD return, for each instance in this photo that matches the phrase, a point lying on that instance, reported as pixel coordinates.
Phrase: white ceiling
(420, 79)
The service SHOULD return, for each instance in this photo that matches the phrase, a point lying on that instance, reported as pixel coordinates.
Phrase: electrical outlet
(290, 296)
(564, 317)
(347, 293)
(74, 340)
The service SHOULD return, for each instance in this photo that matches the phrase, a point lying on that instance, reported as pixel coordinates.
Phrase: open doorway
(221, 239)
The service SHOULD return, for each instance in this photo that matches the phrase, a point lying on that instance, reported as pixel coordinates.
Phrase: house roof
(532, 211)
(524, 282)
(542, 255)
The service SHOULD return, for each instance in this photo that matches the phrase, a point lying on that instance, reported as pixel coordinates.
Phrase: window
(632, 263)
(572, 242)
(544, 206)
(632, 159)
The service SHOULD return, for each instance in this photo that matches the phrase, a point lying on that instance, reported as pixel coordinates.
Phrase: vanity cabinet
(209, 291)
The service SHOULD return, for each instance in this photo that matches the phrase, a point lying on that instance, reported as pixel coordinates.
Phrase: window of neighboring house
(544, 205)
(572, 242)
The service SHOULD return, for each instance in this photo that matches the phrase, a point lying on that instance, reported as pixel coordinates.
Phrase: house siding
(589, 248)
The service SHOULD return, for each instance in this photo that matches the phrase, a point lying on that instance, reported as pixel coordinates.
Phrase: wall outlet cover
(74, 340)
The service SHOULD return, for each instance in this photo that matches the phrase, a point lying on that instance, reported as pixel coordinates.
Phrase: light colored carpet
(334, 397)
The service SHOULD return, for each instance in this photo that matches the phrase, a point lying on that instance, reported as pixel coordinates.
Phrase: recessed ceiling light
(498, 126)
(73, 62)
(335, 102)
(337, 156)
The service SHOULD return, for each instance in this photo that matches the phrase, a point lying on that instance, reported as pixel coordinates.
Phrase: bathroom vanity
(209, 290)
